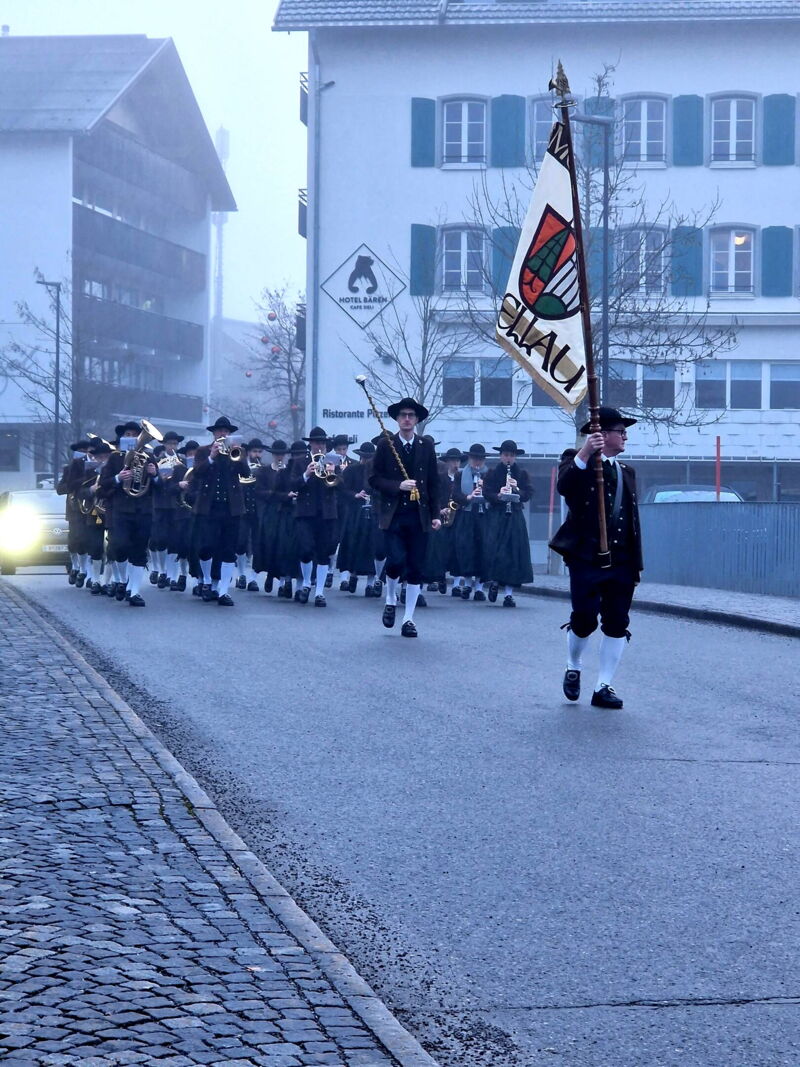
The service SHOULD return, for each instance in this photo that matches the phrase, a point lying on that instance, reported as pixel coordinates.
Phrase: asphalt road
(524, 881)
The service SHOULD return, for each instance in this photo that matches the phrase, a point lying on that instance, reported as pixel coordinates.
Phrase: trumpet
(233, 452)
(137, 459)
(324, 470)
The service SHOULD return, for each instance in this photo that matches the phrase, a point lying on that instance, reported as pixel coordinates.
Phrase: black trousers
(316, 539)
(605, 593)
(216, 535)
(248, 530)
(129, 534)
(76, 535)
(406, 545)
(161, 529)
(180, 533)
(95, 535)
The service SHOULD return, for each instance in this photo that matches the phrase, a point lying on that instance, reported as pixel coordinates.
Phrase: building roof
(68, 85)
(308, 14)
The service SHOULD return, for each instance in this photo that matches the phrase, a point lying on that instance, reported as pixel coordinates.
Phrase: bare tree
(275, 363)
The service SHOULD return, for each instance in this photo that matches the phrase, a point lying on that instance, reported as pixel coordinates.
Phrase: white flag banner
(539, 323)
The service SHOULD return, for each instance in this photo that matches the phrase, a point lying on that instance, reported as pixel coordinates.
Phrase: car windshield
(43, 501)
(682, 496)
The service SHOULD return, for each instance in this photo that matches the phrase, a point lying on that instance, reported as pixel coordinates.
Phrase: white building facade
(108, 179)
(414, 108)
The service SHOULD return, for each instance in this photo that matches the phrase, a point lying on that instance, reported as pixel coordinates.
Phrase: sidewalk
(136, 927)
(771, 614)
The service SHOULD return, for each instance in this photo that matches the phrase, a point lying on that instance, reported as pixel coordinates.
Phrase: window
(709, 385)
(9, 450)
(733, 122)
(644, 130)
(463, 261)
(542, 119)
(622, 383)
(458, 383)
(784, 389)
(658, 386)
(93, 287)
(731, 261)
(745, 383)
(42, 450)
(642, 266)
(464, 128)
(496, 382)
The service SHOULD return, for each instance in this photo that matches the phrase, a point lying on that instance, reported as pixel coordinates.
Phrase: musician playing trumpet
(316, 514)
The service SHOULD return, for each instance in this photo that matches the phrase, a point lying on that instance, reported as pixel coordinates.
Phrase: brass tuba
(136, 460)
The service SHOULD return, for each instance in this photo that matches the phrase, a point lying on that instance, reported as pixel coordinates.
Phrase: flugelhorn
(361, 380)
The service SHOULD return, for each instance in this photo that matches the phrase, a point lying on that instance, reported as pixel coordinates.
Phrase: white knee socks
(135, 575)
(322, 574)
(575, 647)
(97, 569)
(611, 649)
(205, 567)
(225, 577)
(391, 591)
(379, 567)
(241, 564)
(172, 566)
(412, 593)
(305, 570)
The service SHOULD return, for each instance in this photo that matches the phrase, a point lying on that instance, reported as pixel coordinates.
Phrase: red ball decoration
(272, 316)
(272, 424)
(293, 407)
(248, 374)
(265, 340)
(276, 350)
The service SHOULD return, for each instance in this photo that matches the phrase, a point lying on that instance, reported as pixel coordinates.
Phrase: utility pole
(56, 286)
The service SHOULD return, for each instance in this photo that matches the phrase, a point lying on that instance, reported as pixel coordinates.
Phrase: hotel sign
(363, 286)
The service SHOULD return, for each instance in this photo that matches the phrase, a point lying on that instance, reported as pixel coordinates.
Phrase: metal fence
(750, 548)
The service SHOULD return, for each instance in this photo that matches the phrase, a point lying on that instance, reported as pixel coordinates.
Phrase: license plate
(54, 548)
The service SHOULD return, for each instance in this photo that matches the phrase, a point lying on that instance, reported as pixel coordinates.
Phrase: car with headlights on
(33, 530)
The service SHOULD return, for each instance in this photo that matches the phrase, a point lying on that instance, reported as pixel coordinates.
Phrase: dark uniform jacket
(315, 498)
(386, 477)
(218, 481)
(110, 489)
(166, 491)
(71, 478)
(578, 537)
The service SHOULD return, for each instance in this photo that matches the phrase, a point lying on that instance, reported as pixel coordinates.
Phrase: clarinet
(511, 498)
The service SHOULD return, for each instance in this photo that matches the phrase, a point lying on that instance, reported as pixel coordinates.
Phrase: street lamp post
(50, 286)
(606, 123)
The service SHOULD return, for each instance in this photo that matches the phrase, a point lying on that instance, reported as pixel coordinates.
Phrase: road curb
(358, 994)
(685, 611)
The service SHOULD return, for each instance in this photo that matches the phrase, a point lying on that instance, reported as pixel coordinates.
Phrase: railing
(749, 548)
(118, 322)
(97, 232)
(125, 401)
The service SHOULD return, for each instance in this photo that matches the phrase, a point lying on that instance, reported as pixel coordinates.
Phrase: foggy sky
(245, 77)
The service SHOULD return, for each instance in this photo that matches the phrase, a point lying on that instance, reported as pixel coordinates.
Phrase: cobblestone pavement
(777, 614)
(135, 926)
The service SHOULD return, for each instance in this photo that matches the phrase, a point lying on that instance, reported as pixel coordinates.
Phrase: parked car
(33, 529)
(688, 494)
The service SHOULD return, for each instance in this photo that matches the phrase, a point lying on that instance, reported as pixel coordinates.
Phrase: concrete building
(413, 106)
(108, 178)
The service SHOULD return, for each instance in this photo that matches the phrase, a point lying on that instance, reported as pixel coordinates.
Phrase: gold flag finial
(560, 83)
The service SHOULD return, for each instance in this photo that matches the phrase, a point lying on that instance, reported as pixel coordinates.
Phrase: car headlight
(20, 529)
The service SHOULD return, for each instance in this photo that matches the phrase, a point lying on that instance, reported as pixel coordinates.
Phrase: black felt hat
(299, 448)
(223, 423)
(316, 434)
(366, 448)
(171, 435)
(452, 453)
(341, 439)
(254, 442)
(278, 448)
(80, 446)
(120, 429)
(191, 445)
(97, 445)
(429, 437)
(395, 409)
(477, 452)
(609, 417)
(509, 446)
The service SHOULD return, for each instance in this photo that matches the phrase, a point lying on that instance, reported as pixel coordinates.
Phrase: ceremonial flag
(540, 323)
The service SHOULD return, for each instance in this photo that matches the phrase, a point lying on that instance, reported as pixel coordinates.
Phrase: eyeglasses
(622, 433)
(407, 414)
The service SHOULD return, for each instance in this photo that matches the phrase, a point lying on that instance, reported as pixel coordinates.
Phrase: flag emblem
(549, 278)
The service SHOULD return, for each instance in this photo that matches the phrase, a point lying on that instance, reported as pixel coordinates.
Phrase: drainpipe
(316, 98)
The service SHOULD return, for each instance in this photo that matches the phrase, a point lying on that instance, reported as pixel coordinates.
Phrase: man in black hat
(130, 517)
(94, 516)
(68, 485)
(357, 544)
(596, 590)
(316, 516)
(166, 505)
(248, 529)
(218, 508)
(507, 488)
(406, 475)
(469, 539)
(268, 503)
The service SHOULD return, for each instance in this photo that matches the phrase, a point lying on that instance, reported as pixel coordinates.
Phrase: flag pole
(561, 86)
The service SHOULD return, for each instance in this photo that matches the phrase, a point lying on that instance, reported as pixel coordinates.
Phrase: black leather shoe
(241, 582)
(97, 589)
(344, 587)
(120, 593)
(73, 574)
(465, 592)
(80, 578)
(572, 684)
(442, 586)
(128, 594)
(494, 589)
(173, 587)
(197, 589)
(377, 588)
(389, 613)
(369, 591)
(509, 602)
(480, 596)
(432, 587)
(209, 594)
(285, 590)
(456, 591)
(269, 581)
(225, 601)
(605, 697)
(320, 602)
(408, 629)
(154, 577)
(252, 587)
(328, 580)
(352, 583)
(302, 594)
(181, 582)
(163, 581)
(421, 601)
(136, 601)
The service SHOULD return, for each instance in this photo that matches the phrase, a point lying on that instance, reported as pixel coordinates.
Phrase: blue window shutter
(423, 132)
(687, 131)
(422, 275)
(508, 131)
(602, 106)
(779, 130)
(686, 247)
(777, 245)
(504, 246)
